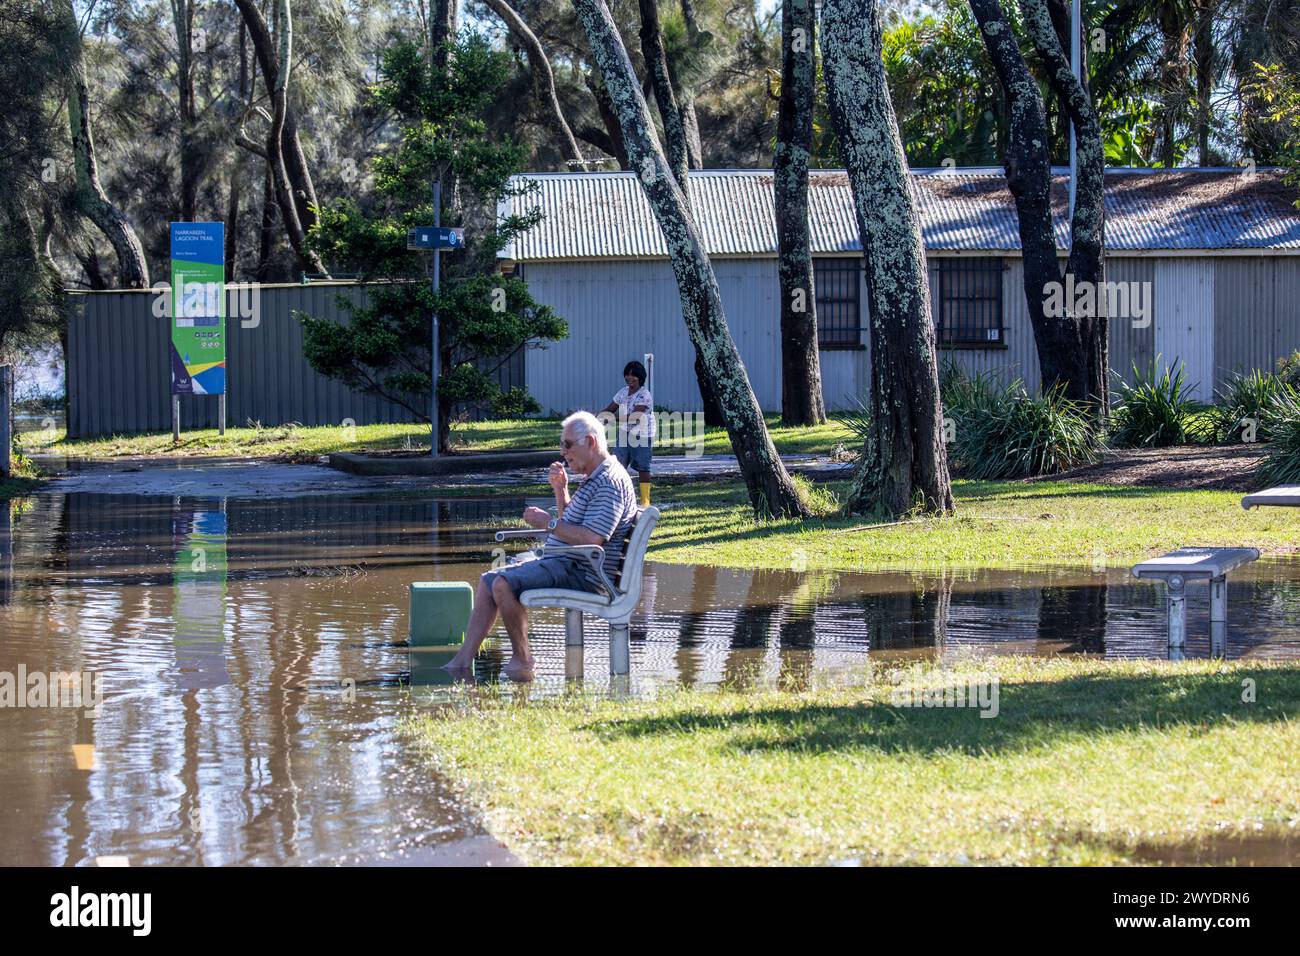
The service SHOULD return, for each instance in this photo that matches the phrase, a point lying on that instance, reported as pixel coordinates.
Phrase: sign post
(198, 340)
(435, 238)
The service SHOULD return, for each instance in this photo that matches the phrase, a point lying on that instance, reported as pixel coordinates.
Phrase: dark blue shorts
(527, 572)
(634, 457)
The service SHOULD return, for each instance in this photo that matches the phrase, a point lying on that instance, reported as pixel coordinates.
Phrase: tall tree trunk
(540, 64)
(656, 64)
(904, 463)
(1061, 355)
(1205, 57)
(295, 160)
(1087, 262)
(90, 198)
(612, 142)
(190, 158)
(771, 492)
(1172, 78)
(266, 234)
(801, 379)
(293, 226)
(686, 96)
(443, 20)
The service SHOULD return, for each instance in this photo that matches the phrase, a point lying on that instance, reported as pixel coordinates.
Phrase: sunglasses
(567, 443)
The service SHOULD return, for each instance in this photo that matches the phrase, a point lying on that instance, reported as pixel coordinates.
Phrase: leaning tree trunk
(295, 160)
(656, 64)
(801, 379)
(656, 58)
(540, 65)
(1061, 355)
(904, 462)
(89, 196)
(771, 492)
(293, 226)
(1087, 227)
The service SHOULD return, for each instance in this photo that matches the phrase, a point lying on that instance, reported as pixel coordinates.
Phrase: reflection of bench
(616, 606)
(1196, 564)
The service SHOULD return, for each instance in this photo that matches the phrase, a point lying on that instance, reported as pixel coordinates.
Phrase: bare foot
(519, 668)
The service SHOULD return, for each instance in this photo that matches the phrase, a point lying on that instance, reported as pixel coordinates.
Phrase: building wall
(1256, 313)
(1214, 315)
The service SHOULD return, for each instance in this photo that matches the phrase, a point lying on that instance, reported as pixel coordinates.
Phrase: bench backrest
(635, 544)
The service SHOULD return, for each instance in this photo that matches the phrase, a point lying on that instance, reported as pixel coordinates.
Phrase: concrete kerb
(442, 465)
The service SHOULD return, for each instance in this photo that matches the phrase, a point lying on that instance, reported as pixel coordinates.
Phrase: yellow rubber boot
(645, 494)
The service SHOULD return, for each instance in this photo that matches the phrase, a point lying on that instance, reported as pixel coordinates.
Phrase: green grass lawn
(296, 441)
(1002, 524)
(1086, 762)
(304, 443)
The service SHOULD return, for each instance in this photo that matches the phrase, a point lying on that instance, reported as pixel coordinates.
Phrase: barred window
(966, 298)
(839, 306)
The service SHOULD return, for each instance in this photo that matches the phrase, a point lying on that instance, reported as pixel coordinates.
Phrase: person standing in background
(636, 425)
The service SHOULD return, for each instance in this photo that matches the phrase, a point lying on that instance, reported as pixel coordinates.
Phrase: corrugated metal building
(1208, 263)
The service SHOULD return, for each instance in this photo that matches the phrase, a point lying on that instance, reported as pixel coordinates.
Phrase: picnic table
(1283, 496)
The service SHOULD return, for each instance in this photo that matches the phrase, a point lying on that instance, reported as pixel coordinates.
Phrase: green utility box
(440, 612)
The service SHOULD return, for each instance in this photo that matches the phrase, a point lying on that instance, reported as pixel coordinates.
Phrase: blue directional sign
(435, 237)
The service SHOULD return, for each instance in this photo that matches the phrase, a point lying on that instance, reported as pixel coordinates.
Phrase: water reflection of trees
(1075, 616)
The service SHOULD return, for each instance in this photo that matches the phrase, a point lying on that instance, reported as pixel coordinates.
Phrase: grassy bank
(996, 525)
(305, 443)
(1086, 762)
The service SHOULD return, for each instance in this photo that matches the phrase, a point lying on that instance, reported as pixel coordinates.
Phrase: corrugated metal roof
(605, 215)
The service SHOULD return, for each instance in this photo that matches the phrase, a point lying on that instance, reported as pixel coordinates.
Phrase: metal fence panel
(119, 374)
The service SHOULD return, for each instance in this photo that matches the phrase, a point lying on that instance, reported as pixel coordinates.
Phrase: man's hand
(536, 518)
(558, 477)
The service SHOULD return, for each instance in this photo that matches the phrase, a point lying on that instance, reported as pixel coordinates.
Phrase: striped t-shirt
(605, 503)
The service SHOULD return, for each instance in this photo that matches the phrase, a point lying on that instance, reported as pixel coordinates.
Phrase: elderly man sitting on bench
(601, 512)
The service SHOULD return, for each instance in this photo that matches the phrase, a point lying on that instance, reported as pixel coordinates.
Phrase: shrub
(1246, 406)
(1155, 411)
(515, 403)
(1004, 432)
(1282, 465)
(858, 421)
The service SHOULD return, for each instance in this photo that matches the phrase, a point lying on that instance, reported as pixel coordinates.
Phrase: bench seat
(1211, 565)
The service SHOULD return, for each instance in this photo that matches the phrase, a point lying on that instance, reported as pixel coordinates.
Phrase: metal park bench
(1283, 496)
(1193, 564)
(615, 606)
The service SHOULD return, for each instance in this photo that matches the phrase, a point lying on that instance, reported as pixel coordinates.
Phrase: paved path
(197, 478)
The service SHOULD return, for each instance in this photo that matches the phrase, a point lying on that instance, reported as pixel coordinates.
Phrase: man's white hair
(584, 424)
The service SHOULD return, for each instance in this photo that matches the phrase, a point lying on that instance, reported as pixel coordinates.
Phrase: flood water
(254, 673)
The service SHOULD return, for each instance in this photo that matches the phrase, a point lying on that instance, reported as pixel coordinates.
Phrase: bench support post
(573, 664)
(572, 628)
(620, 650)
(1177, 611)
(1219, 600)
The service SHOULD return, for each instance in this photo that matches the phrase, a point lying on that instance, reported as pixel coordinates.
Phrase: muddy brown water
(253, 674)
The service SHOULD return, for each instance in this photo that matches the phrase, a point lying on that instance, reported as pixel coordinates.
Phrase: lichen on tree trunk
(904, 462)
(771, 492)
(801, 380)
